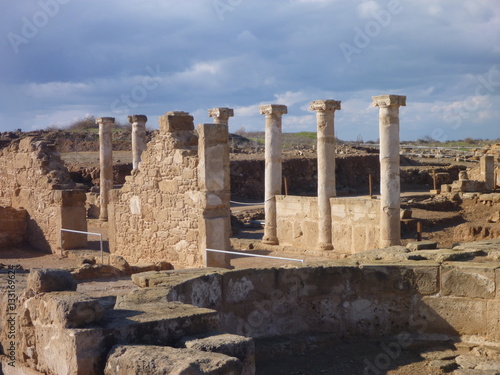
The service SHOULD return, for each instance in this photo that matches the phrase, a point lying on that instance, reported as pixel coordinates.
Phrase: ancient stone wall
(32, 177)
(423, 299)
(355, 222)
(13, 223)
(173, 201)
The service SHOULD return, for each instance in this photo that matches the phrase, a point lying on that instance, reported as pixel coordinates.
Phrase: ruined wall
(164, 210)
(32, 176)
(355, 223)
(431, 300)
(13, 223)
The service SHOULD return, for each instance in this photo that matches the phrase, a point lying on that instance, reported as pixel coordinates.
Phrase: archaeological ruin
(362, 255)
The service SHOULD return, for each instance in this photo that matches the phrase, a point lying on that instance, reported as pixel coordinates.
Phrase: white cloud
(367, 8)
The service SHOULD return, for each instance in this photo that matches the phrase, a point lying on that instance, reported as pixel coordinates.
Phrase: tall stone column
(325, 114)
(487, 167)
(138, 137)
(273, 160)
(390, 185)
(220, 115)
(106, 162)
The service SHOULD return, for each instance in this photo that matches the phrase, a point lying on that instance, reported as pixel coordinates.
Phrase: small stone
(422, 245)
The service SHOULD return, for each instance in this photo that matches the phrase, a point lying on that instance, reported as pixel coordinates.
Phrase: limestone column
(220, 115)
(106, 162)
(487, 166)
(138, 137)
(273, 161)
(390, 186)
(325, 113)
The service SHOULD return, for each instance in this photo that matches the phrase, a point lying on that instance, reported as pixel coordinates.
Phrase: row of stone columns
(390, 232)
(106, 154)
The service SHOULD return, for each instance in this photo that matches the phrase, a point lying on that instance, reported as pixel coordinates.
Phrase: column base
(270, 240)
(325, 246)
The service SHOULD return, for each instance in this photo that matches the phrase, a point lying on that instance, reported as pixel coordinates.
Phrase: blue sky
(65, 59)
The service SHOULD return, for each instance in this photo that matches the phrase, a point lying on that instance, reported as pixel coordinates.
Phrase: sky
(63, 60)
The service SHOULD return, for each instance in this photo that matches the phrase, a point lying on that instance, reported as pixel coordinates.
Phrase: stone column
(106, 162)
(325, 113)
(273, 161)
(214, 183)
(138, 137)
(220, 115)
(487, 166)
(390, 186)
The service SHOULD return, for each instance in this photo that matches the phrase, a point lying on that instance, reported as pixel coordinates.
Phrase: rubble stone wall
(32, 176)
(167, 207)
(355, 223)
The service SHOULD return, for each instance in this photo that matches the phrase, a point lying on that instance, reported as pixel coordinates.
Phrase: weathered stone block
(466, 280)
(155, 360)
(422, 245)
(64, 309)
(453, 316)
(175, 121)
(239, 347)
(42, 280)
(493, 320)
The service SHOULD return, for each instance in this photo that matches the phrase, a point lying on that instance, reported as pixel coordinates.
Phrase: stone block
(452, 316)
(466, 280)
(422, 245)
(64, 309)
(43, 280)
(493, 320)
(176, 121)
(157, 360)
(239, 347)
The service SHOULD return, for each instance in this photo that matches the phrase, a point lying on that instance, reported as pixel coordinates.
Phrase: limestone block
(156, 360)
(239, 347)
(466, 280)
(493, 320)
(497, 281)
(454, 316)
(43, 280)
(175, 121)
(64, 309)
(422, 245)
(426, 279)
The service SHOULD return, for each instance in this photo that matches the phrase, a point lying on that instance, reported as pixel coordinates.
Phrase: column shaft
(325, 114)
(106, 163)
(390, 188)
(138, 138)
(273, 165)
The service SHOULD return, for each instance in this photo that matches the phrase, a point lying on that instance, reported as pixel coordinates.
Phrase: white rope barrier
(251, 255)
(89, 233)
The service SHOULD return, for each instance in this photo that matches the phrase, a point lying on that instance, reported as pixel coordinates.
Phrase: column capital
(388, 100)
(221, 112)
(137, 118)
(273, 109)
(105, 120)
(325, 105)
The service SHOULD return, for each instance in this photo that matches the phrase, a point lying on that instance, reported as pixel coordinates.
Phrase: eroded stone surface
(157, 360)
(41, 280)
